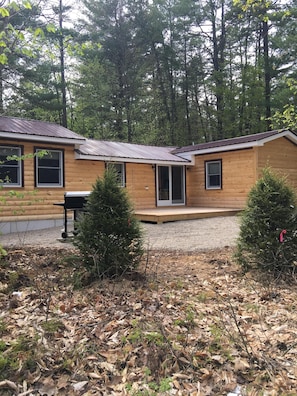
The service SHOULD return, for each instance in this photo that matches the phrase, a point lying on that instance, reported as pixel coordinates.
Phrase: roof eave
(132, 160)
(224, 148)
(241, 146)
(41, 139)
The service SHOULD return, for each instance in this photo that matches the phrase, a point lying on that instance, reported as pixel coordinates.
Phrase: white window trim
(207, 185)
(61, 169)
(19, 167)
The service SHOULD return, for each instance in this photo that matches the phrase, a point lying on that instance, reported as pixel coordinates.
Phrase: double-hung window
(213, 175)
(11, 166)
(119, 168)
(49, 168)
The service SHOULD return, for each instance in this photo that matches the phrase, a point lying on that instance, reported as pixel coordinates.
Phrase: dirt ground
(188, 322)
(184, 324)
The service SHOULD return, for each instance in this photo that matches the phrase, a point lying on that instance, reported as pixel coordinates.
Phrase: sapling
(108, 234)
(268, 230)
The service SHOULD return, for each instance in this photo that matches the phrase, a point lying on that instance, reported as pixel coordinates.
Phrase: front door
(170, 185)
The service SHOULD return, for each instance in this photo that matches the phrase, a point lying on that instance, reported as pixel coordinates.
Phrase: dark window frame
(61, 168)
(19, 167)
(209, 185)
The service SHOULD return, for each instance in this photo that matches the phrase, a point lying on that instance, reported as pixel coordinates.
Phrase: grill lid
(74, 194)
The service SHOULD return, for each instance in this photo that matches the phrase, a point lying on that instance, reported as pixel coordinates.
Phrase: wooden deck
(163, 215)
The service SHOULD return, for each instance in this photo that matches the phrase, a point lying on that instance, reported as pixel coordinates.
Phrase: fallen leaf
(241, 364)
(48, 388)
(78, 386)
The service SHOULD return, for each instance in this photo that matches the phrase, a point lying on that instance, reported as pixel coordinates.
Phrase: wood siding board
(237, 179)
(281, 156)
(141, 185)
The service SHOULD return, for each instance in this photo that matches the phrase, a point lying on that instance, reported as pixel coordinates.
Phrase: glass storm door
(170, 185)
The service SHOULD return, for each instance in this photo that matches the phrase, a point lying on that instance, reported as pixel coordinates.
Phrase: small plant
(67, 365)
(250, 307)
(216, 333)
(3, 252)
(190, 316)
(52, 326)
(268, 231)
(135, 336)
(188, 321)
(4, 364)
(3, 346)
(108, 234)
(20, 356)
(202, 297)
(154, 387)
(165, 384)
(3, 327)
(13, 278)
(154, 338)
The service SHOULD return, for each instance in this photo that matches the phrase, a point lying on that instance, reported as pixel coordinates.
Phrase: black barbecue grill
(74, 201)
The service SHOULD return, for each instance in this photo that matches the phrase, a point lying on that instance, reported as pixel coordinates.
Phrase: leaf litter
(183, 324)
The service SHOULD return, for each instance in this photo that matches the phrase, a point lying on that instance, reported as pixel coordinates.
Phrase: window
(213, 175)
(10, 169)
(120, 170)
(49, 168)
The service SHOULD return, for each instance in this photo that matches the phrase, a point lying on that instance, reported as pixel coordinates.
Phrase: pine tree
(268, 231)
(108, 234)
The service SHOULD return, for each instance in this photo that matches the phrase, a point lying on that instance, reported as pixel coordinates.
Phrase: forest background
(162, 72)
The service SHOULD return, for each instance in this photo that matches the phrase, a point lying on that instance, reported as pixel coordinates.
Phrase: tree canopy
(159, 72)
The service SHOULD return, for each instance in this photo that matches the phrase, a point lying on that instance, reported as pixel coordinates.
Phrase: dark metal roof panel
(99, 148)
(36, 128)
(228, 142)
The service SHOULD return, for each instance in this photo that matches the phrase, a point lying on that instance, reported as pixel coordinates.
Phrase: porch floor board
(163, 215)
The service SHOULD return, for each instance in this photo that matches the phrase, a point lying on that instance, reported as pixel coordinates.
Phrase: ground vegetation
(183, 324)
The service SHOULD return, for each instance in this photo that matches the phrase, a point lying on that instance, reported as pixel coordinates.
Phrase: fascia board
(241, 146)
(286, 133)
(232, 147)
(40, 139)
(132, 160)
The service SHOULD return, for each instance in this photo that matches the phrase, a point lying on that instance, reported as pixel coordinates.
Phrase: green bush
(108, 235)
(268, 236)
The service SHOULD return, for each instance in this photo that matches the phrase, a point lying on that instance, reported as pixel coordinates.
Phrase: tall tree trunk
(218, 64)
(129, 120)
(1, 92)
(161, 81)
(62, 66)
(242, 103)
(189, 131)
(267, 74)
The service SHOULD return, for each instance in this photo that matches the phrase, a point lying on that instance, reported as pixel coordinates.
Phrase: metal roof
(23, 129)
(237, 142)
(112, 151)
(37, 130)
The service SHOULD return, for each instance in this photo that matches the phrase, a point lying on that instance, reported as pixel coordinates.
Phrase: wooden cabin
(224, 171)
(55, 160)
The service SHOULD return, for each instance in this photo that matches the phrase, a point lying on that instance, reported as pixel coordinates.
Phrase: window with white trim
(11, 166)
(49, 167)
(119, 168)
(213, 175)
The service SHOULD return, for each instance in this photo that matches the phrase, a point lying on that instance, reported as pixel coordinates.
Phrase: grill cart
(74, 201)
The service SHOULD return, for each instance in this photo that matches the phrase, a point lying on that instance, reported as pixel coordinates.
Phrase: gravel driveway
(188, 236)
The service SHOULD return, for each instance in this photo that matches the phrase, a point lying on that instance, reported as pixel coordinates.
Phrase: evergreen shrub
(108, 235)
(268, 236)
